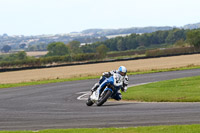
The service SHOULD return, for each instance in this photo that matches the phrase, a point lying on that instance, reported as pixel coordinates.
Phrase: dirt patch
(97, 69)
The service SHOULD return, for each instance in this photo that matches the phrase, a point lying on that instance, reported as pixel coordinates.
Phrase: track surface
(56, 106)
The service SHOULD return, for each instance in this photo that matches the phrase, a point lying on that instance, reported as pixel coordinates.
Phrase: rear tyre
(104, 98)
(89, 102)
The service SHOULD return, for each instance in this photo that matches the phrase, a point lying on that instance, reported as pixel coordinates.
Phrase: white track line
(86, 93)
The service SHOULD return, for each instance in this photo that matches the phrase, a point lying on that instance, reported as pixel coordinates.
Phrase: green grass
(150, 129)
(189, 67)
(92, 77)
(45, 82)
(177, 90)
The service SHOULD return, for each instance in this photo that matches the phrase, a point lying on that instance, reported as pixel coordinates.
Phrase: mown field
(97, 69)
(37, 53)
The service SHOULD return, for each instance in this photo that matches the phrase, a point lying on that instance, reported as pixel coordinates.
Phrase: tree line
(59, 52)
(141, 41)
(133, 41)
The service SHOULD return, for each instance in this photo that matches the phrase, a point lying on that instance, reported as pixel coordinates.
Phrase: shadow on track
(115, 104)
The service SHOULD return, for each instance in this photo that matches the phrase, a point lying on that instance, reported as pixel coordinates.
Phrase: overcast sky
(36, 17)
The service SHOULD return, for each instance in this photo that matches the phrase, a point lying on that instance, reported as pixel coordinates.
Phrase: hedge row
(170, 51)
(47, 60)
(126, 53)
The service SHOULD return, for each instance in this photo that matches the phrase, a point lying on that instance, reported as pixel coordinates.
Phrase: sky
(37, 17)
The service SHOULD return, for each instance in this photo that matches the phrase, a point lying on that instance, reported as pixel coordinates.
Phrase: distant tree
(6, 48)
(132, 41)
(42, 46)
(175, 35)
(111, 44)
(193, 37)
(159, 37)
(31, 48)
(5, 35)
(87, 48)
(74, 47)
(101, 51)
(21, 55)
(121, 46)
(22, 46)
(57, 49)
(37, 47)
(180, 43)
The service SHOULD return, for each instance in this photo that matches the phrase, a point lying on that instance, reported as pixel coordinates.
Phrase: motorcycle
(109, 87)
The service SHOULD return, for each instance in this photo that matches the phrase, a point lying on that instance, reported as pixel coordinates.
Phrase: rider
(122, 71)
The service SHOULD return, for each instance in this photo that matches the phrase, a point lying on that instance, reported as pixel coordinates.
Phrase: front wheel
(89, 102)
(104, 98)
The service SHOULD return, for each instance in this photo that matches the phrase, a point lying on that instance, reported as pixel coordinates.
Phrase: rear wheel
(104, 98)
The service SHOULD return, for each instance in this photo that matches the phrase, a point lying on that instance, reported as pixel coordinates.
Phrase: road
(56, 105)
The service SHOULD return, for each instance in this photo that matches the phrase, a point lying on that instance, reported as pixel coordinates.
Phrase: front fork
(105, 90)
(95, 96)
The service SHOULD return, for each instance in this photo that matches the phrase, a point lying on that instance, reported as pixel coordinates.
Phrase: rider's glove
(106, 74)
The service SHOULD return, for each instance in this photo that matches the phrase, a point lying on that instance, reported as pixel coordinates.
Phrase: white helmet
(122, 70)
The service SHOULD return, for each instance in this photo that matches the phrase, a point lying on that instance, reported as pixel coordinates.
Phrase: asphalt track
(56, 106)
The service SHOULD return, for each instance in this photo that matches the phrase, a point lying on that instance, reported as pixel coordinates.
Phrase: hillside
(192, 26)
(86, 36)
(150, 29)
(106, 32)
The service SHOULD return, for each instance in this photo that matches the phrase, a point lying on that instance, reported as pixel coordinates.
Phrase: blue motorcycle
(107, 89)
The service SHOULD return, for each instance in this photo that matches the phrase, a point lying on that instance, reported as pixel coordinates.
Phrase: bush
(32, 62)
(84, 57)
(21, 63)
(170, 51)
(126, 53)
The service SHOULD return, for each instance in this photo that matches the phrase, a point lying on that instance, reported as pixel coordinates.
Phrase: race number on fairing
(117, 79)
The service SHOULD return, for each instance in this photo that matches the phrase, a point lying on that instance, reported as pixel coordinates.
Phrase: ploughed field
(97, 69)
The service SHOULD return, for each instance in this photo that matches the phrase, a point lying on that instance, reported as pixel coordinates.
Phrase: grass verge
(45, 82)
(92, 77)
(176, 90)
(189, 67)
(150, 129)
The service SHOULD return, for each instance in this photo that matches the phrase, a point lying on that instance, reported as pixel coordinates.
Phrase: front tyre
(89, 102)
(104, 98)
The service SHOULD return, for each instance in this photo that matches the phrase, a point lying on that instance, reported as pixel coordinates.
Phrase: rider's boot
(94, 88)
